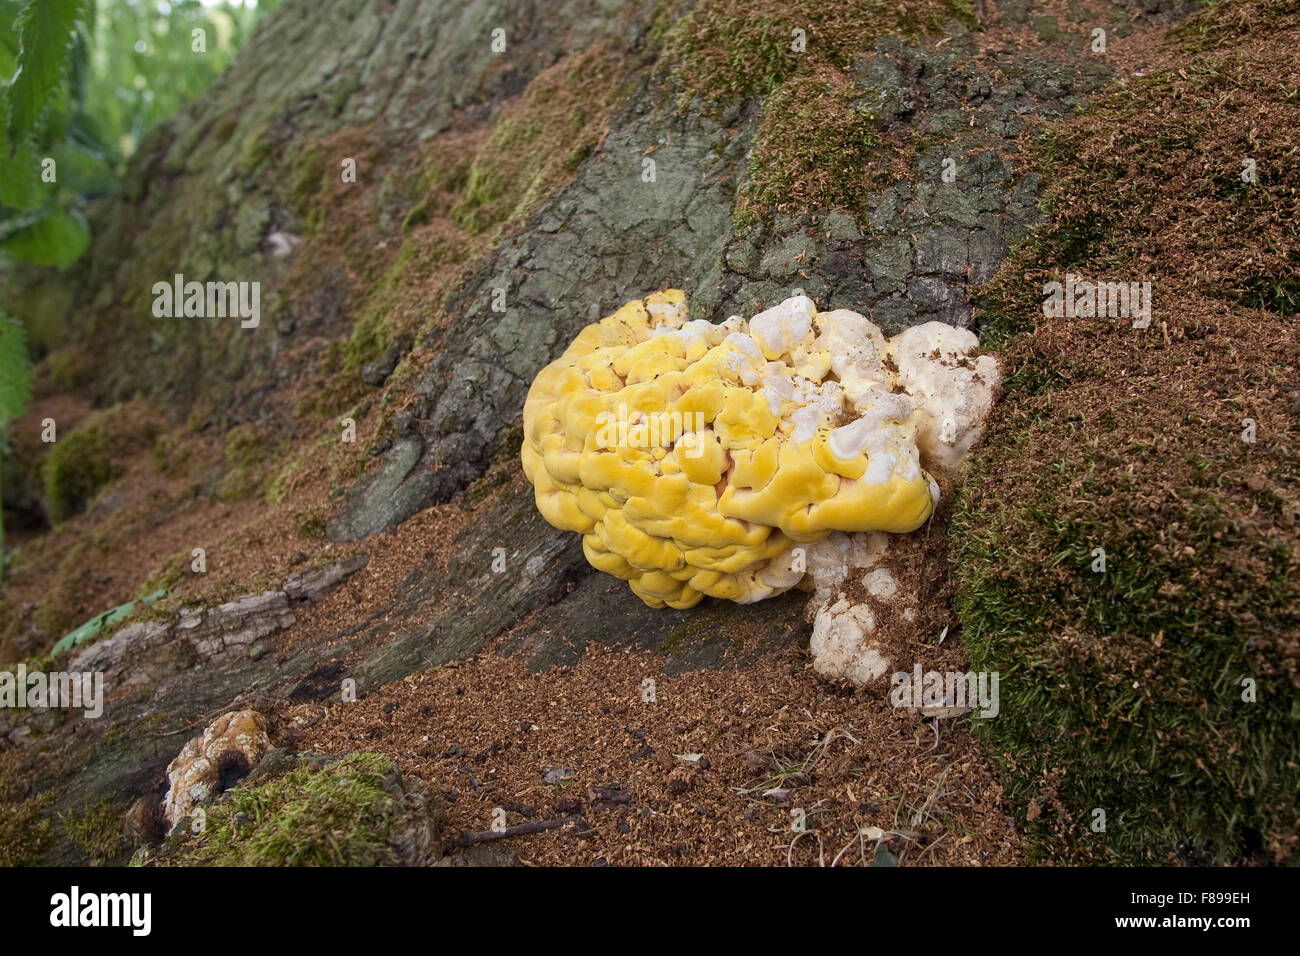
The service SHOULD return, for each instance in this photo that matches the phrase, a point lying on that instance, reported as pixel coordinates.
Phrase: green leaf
(56, 239)
(20, 176)
(95, 626)
(15, 370)
(8, 39)
(82, 171)
(45, 32)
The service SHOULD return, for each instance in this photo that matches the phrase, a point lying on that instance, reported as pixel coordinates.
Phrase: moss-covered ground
(1162, 690)
(344, 813)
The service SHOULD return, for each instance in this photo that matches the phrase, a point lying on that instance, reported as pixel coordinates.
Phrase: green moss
(817, 147)
(381, 320)
(84, 460)
(1199, 34)
(1122, 690)
(421, 213)
(373, 331)
(42, 307)
(540, 139)
(248, 453)
(312, 526)
(512, 438)
(171, 453)
(26, 833)
(97, 831)
(449, 166)
(726, 51)
(225, 127)
(817, 144)
(443, 179)
(68, 369)
(485, 486)
(165, 578)
(37, 662)
(74, 471)
(307, 186)
(341, 815)
(256, 149)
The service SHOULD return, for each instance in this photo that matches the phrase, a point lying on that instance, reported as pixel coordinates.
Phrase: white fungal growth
(920, 398)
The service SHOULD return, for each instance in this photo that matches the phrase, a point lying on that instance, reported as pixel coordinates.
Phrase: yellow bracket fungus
(697, 459)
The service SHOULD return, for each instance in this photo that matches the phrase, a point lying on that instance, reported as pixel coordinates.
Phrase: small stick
(469, 838)
(237, 702)
(173, 733)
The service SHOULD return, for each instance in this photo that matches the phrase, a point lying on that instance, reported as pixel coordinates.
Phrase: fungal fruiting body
(734, 460)
(228, 748)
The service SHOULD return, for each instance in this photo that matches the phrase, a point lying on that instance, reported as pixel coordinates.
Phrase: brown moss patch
(1123, 689)
(540, 138)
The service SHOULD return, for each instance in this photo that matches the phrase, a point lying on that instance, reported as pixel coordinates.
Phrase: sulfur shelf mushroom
(699, 459)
